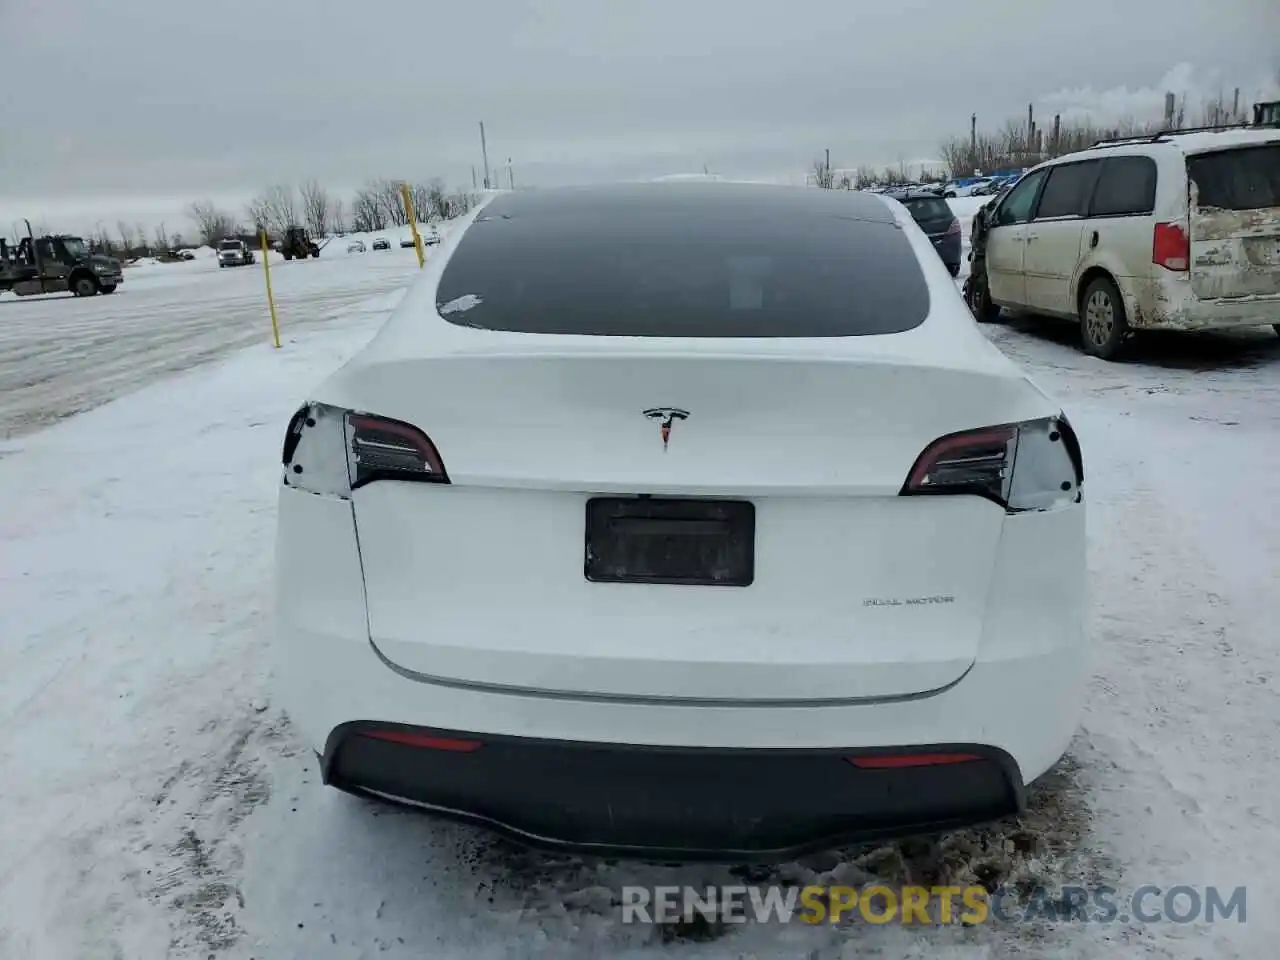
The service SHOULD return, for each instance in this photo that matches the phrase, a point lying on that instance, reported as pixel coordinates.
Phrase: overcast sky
(134, 107)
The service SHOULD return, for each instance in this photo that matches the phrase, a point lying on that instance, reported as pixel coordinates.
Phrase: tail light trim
(985, 462)
(332, 451)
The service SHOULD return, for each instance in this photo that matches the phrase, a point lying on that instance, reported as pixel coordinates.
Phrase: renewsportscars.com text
(906, 905)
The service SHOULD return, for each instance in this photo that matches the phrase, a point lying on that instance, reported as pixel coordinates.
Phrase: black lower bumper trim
(671, 803)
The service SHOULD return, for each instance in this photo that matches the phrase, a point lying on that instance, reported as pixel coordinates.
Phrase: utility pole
(827, 166)
(473, 176)
(484, 150)
(511, 174)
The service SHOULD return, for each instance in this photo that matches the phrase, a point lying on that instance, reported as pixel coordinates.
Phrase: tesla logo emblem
(664, 417)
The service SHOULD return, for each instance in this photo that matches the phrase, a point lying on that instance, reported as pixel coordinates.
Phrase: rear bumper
(1168, 304)
(948, 248)
(662, 802)
(777, 766)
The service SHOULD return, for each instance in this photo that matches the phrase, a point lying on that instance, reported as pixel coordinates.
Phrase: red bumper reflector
(898, 761)
(425, 740)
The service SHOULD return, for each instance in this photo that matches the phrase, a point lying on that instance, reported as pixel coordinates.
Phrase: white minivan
(1178, 231)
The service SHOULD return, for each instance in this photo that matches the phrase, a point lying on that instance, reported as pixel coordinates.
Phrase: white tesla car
(690, 520)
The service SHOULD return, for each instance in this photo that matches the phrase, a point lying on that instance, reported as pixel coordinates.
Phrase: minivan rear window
(1126, 188)
(657, 271)
(1243, 178)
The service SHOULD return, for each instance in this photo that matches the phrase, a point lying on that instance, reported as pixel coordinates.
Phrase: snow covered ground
(157, 805)
(61, 354)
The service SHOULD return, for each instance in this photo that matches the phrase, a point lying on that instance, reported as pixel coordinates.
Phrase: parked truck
(56, 263)
(298, 243)
(234, 253)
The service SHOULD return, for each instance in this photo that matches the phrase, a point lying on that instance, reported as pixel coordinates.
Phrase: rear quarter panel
(1123, 248)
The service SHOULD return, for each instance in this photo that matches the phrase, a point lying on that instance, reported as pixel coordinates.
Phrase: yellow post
(413, 223)
(271, 300)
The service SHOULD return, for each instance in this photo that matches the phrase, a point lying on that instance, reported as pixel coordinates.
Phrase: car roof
(687, 200)
(946, 333)
(914, 195)
(1189, 142)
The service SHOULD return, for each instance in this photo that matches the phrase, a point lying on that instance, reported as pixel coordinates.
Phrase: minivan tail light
(1170, 246)
(1033, 465)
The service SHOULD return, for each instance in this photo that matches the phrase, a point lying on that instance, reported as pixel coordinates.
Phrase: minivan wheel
(979, 299)
(1103, 327)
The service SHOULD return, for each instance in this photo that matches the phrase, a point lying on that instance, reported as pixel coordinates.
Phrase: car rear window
(658, 272)
(229, 245)
(928, 208)
(1244, 178)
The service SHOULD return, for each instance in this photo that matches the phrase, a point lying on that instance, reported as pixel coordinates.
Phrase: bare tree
(367, 214)
(315, 207)
(423, 202)
(456, 204)
(126, 236)
(338, 219)
(275, 209)
(283, 204)
(101, 240)
(388, 192)
(258, 213)
(162, 238)
(822, 175)
(212, 224)
(437, 200)
(140, 231)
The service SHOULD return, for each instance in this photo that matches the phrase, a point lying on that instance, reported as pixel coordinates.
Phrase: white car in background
(356, 246)
(1179, 232)
(964, 187)
(638, 529)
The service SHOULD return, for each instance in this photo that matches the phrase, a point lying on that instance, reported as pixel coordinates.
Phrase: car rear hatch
(933, 214)
(1235, 221)
(773, 491)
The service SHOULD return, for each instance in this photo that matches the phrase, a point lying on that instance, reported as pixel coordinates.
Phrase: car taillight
(954, 228)
(1170, 246)
(332, 451)
(1033, 465)
(382, 449)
